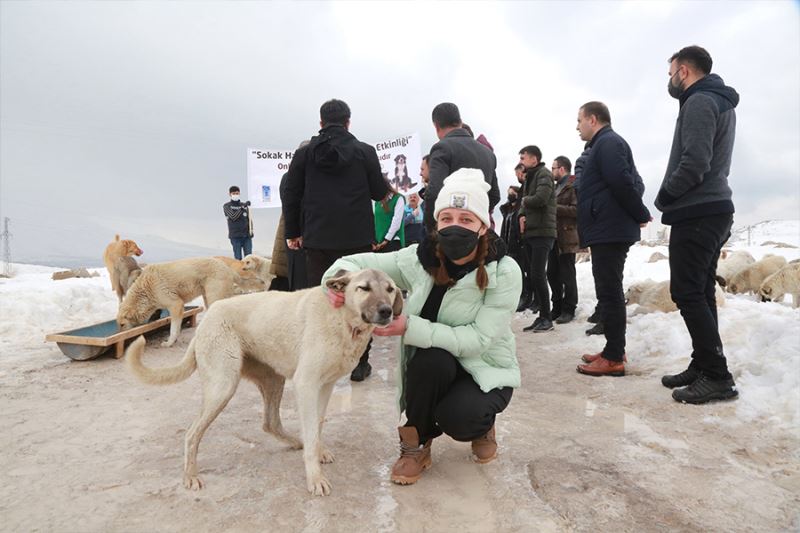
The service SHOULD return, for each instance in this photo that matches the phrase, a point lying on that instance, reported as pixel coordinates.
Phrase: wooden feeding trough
(91, 341)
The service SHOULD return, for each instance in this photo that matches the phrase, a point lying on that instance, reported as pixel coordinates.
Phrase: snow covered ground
(762, 340)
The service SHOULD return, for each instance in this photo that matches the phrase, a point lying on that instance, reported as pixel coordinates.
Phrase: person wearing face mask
(457, 361)
(696, 201)
(239, 228)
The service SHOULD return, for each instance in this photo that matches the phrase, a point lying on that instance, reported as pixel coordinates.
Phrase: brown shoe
(414, 458)
(603, 367)
(484, 449)
(591, 358)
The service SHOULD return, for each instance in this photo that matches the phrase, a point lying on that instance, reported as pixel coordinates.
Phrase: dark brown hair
(599, 110)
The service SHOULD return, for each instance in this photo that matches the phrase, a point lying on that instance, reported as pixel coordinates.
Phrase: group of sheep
(737, 272)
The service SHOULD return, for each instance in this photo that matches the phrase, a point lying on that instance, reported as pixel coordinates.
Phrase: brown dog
(118, 248)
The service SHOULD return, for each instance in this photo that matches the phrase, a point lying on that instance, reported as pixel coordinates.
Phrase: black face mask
(512, 198)
(457, 242)
(674, 91)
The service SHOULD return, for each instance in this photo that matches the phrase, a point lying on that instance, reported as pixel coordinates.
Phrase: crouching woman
(458, 362)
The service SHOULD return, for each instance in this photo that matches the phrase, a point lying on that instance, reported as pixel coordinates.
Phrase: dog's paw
(319, 486)
(167, 343)
(325, 456)
(192, 482)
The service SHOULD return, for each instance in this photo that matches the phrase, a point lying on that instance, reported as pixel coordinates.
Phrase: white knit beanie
(465, 189)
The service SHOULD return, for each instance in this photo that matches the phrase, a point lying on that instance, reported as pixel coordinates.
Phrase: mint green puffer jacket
(472, 325)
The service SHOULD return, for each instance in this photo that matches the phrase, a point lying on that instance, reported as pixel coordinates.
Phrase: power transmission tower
(6, 249)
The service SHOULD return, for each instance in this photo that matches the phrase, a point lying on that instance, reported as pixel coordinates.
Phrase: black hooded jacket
(328, 193)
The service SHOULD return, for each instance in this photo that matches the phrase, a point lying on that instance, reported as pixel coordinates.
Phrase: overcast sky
(136, 116)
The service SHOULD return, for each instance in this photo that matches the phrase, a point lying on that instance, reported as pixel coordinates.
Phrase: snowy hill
(780, 231)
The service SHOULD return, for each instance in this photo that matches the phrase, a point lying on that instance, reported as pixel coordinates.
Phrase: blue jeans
(242, 243)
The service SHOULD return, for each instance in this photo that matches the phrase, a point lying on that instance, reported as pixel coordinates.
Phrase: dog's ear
(721, 281)
(397, 306)
(339, 281)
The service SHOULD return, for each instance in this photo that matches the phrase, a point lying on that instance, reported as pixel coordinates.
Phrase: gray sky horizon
(136, 116)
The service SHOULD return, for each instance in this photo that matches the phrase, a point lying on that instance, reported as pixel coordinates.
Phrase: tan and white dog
(170, 286)
(118, 248)
(654, 297)
(750, 278)
(784, 281)
(273, 336)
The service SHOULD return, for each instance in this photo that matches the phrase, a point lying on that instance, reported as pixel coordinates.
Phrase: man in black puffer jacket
(697, 201)
(610, 217)
(331, 183)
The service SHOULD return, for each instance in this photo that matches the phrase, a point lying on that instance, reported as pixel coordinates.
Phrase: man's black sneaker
(565, 318)
(544, 325)
(594, 318)
(361, 372)
(705, 390)
(597, 329)
(685, 378)
(533, 325)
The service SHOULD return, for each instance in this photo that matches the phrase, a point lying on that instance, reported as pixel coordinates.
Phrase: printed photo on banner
(400, 159)
(265, 168)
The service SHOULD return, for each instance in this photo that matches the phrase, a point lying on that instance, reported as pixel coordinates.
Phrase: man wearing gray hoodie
(696, 200)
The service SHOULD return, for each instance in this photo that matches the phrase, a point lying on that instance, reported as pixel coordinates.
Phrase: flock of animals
(770, 278)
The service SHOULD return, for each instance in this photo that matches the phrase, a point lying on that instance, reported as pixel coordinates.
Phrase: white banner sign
(400, 159)
(265, 168)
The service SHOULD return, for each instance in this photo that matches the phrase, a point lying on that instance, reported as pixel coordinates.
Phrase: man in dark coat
(561, 263)
(456, 149)
(538, 228)
(696, 200)
(610, 217)
(331, 184)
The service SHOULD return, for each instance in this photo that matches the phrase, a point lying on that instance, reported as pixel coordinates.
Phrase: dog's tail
(159, 376)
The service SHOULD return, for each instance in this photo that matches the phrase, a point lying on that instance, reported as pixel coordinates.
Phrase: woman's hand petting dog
(396, 327)
(336, 298)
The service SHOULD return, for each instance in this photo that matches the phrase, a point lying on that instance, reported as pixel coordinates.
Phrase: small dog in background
(118, 248)
(127, 270)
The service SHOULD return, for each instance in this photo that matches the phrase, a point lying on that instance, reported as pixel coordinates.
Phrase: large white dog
(785, 280)
(273, 336)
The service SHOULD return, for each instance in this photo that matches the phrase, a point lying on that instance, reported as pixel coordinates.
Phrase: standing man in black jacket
(331, 183)
(696, 200)
(238, 216)
(456, 149)
(610, 217)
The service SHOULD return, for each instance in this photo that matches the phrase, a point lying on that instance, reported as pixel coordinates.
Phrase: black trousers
(608, 263)
(540, 248)
(522, 255)
(441, 397)
(694, 248)
(318, 261)
(562, 280)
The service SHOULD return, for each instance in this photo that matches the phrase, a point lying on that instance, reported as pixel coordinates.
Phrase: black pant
(608, 262)
(442, 397)
(296, 263)
(561, 276)
(523, 257)
(318, 261)
(694, 247)
(540, 248)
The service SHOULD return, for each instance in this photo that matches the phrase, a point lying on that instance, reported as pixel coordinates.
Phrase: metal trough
(91, 341)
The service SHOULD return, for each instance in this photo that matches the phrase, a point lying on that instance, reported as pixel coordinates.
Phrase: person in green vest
(389, 230)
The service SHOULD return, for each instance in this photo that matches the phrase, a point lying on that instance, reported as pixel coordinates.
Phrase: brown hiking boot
(603, 367)
(414, 458)
(591, 358)
(484, 449)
